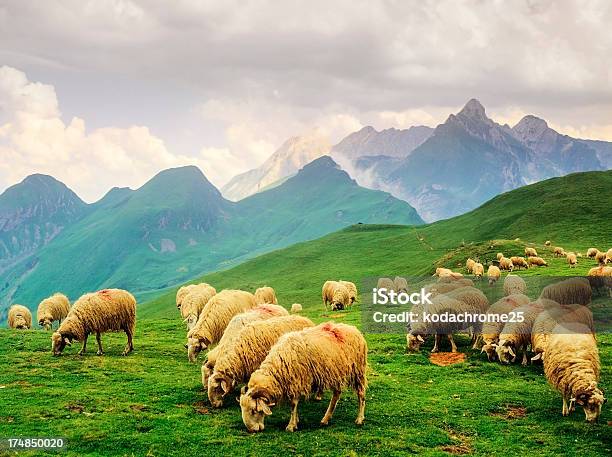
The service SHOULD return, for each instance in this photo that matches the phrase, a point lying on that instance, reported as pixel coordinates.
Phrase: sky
(109, 92)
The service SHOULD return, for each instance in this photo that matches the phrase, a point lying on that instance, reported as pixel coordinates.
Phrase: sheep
(455, 280)
(194, 302)
(497, 315)
(236, 324)
(592, 252)
(182, 292)
(559, 252)
(215, 318)
(443, 305)
(108, 310)
(336, 294)
(531, 252)
(493, 273)
(601, 278)
(328, 356)
(569, 291)
(401, 285)
(547, 243)
(469, 265)
(296, 308)
(19, 317)
(444, 272)
(246, 353)
(514, 284)
(551, 317)
(537, 261)
(475, 298)
(53, 308)
(265, 294)
(499, 256)
(572, 367)
(516, 335)
(519, 262)
(609, 256)
(601, 258)
(352, 289)
(506, 264)
(478, 270)
(572, 260)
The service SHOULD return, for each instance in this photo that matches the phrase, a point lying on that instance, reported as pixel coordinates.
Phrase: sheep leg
(476, 344)
(331, 408)
(452, 342)
(293, 422)
(436, 341)
(524, 362)
(361, 411)
(84, 348)
(99, 340)
(129, 347)
(565, 410)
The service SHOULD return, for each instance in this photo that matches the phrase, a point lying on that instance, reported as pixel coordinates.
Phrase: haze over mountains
(174, 227)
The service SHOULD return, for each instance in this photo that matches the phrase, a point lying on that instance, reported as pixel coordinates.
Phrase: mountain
(178, 225)
(32, 213)
(390, 142)
(286, 161)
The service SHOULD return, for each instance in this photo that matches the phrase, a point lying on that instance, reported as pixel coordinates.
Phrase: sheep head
(505, 352)
(45, 322)
(254, 406)
(59, 342)
(218, 387)
(490, 350)
(194, 347)
(591, 399)
(413, 342)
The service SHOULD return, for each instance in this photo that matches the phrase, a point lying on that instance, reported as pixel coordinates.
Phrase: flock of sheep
(277, 356)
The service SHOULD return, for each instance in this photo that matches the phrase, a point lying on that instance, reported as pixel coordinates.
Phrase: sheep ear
(511, 352)
(67, 341)
(538, 356)
(263, 407)
(224, 386)
(420, 338)
(243, 390)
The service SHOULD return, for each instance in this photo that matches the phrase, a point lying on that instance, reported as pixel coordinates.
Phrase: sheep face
(591, 402)
(21, 323)
(505, 352)
(254, 411)
(59, 342)
(218, 387)
(490, 351)
(207, 371)
(194, 347)
(45, 323)
(413, 342)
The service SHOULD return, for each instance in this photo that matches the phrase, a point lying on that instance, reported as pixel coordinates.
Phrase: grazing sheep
(519, 262)
(537, 261)
(246, 353)
(265, 294)
(572, 260)
(352, 289)
(19, 317)
(337, 294)
(469, 265)
(194, 302)
(455, 280)
(569, 291)
(400, 284)
(559, 252)
(494, 324)
(572, 367)
(54, 308)
(445, 272)
(443, 287)
(547, 243)
(493, 273)
(475, 298)
(296, 308)
(531, 252)
(601, 258)
(506, 264)
(550, 318)
(329, 356)
(108, 310)
(600, 278)
(592, 252)
(182, 292)
(514, 284)
(499, 256)
(214, 319)
(516, 335)
(236, 324)
(478, 270)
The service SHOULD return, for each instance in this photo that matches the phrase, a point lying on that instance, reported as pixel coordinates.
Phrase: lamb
(265, 294)
(495, 321)
(592, 252)
(537, 261)
(478, 270)
(601, 258)
(19, 317)
(108, 310)
(236, 324)
(506, 264)
(531, 252)
(572, 260)
(215, 318)
(572, 367)
(569, 291)
(559, 252)
(401, 285)
(336, 294)
(499, 256)
(519, 262)
(246, 353)
(514, 284)
(550, 318)
(469, 265)
(516, 335)
(352, 289)
(194, 302)
(493, 273)
(53, 308)
(296, 308)
(328, 356)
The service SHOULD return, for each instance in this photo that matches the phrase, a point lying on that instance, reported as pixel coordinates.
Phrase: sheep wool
(493, 327)
(537, 261)
(352, 289)
(572, 367)
(601, 257)
(499, 256)
(194, 302)
(516, 336)
(559, 251)
(296, 308)
(592, 252)
(469, 265)
(478, 270)
(506, 264)
(572, 260)
(330, 356)
(493, 273)
(53, 308)
(385, 283)
(400, 284)
(514, 284)
(569, 291)
(19, 317)
(265, 294)
(519, 262)
(182, 292)
(108, 310)
(246, 353)
(531, 252)
(600, 279)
